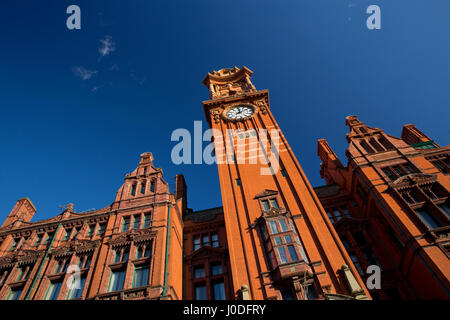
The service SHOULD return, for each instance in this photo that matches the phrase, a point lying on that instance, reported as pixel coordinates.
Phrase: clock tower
(280, 240)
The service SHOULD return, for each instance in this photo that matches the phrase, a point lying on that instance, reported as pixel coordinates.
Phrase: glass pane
(75, 293)
(273, 227)
(216, 269)
(53, 290)
(265, 205)
(278, 240)
(282, 255)
(292, 253)
(274, 203)
(287, 239)
(196, 242)
(283, 225)
(444, 207)
(137, 222)
(141, 276)
(205, 240)
(148, 250)
(427, 218)
(219, 291)
(199, 272)
(146, 221)
(125, 255)
(200, 292)
(337, 214)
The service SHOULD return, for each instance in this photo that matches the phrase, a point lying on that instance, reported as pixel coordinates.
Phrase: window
(265, 205)
(427, 218)
(199, 272)
(389, 174)
(200, 292)
(61, 265)
(366, 147)
(357, 265)
(238, 182)
(140, 277)
(53, 290)
(4, 273)
(85, 261)
(386, 144)
(49, 238)
(283, 225)
(66, 234)
(219, 290)
(133, 189)
(445, 208)
(121, 255)
(205, 240)
(136, 221)
(345, 243)
(346, 212)
(214, 240)
(287, 294)
(75, 293)
(274, 203)
(14, 244)
(375, 145)
(147, 218)
(90, 231)
(411, 196)
(125, 224)
(273, 227)
(117, 280)
(197, 243)
(284, 173)
(442, 165)
(144, 251)
(311, 292)
(216, 269)
(143, 185)
(14, 294)
(24, 272)
(152, 186)
(282, 254)
(76, 232)
(38, 239)
(101, 228)
(292, 253)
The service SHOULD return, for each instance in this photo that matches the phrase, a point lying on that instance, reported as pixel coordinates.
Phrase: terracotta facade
(276, 237)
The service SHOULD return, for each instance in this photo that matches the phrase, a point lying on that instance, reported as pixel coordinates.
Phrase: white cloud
(83, 73)
(107, 46)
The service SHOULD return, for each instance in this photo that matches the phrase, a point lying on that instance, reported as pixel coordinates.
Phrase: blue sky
(73, 121)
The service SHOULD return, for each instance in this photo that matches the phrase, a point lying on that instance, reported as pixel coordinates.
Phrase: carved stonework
(262, 107)
(132, 236)
(216, 114)
(75, 246)
(413, 179)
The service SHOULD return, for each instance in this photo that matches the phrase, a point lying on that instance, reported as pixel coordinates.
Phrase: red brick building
(276, 237)
(390, 206)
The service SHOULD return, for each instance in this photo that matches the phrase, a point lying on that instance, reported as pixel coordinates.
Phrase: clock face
(240, 112)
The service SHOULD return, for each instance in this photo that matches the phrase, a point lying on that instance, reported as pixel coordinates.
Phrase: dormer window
(268, 204)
